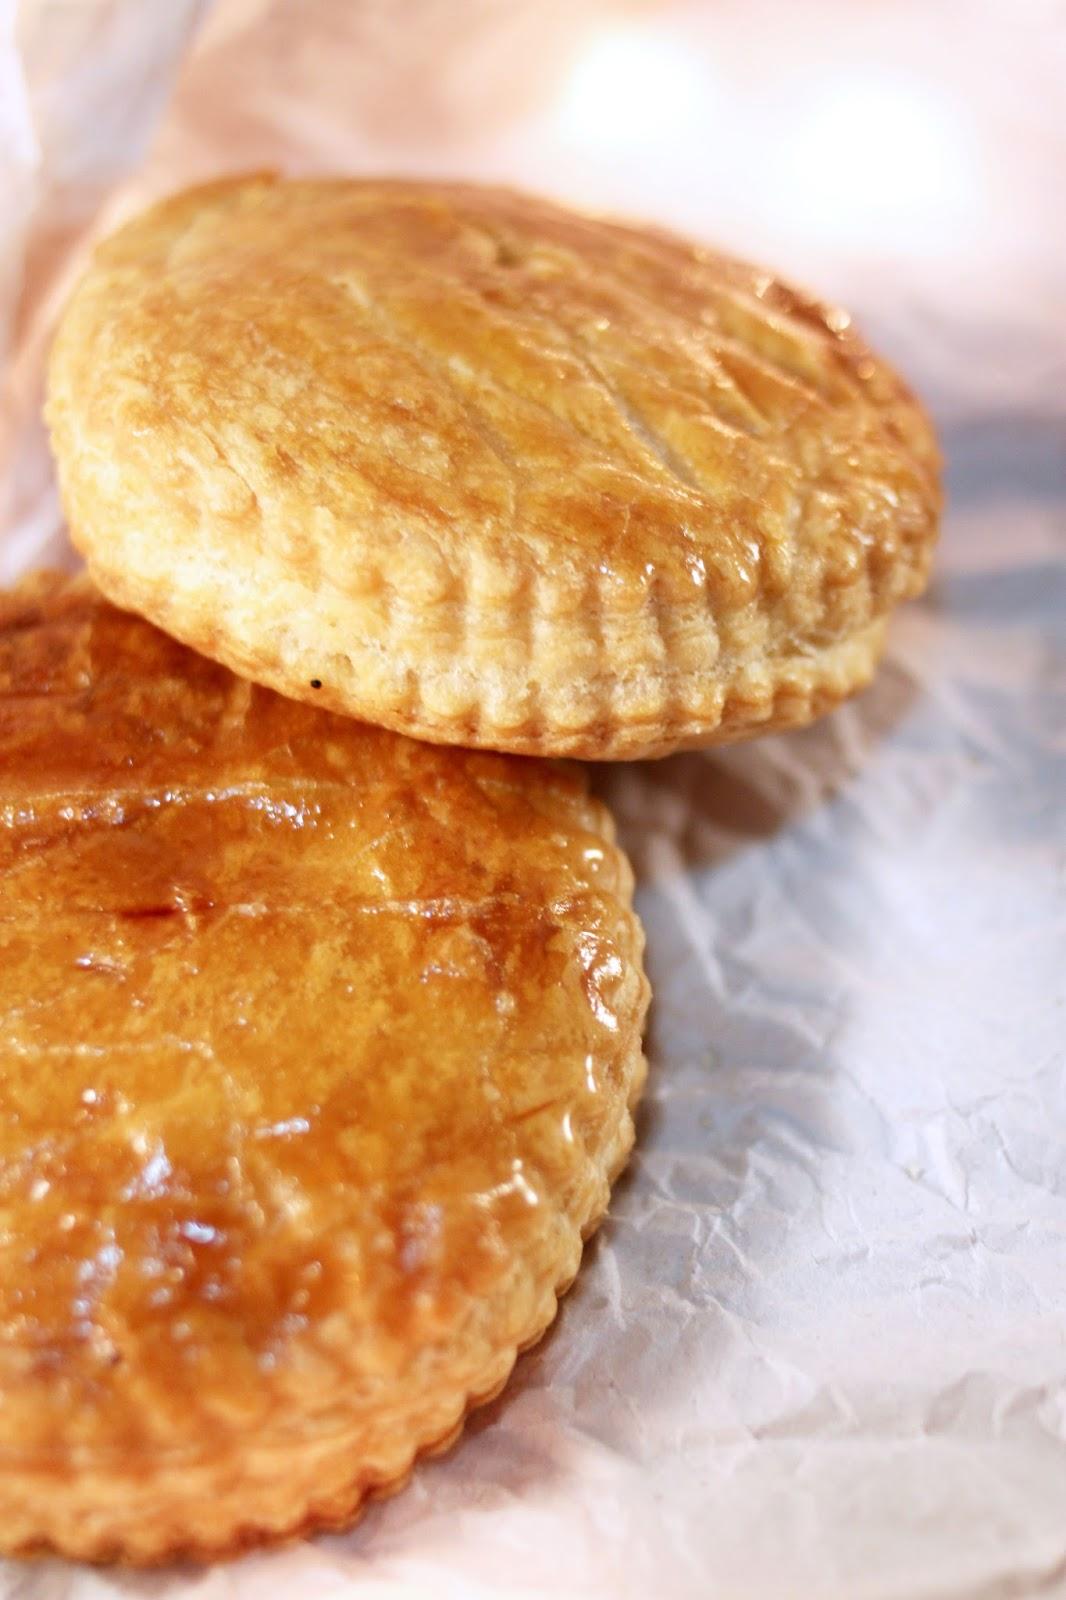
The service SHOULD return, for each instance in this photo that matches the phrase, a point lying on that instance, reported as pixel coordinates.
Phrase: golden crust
(488, 471)
(320, 1050)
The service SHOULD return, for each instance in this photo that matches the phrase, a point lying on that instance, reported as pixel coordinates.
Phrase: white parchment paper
(820, 1349)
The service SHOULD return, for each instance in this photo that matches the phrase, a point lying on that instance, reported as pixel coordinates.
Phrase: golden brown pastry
(480, 469)
(319, 1051)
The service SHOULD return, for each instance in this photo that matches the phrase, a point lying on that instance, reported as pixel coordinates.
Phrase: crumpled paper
(820, 1348)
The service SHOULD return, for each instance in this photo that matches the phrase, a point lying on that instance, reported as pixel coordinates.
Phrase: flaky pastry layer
(485, 470)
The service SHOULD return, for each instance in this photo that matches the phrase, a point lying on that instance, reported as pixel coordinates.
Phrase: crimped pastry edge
(627, 715)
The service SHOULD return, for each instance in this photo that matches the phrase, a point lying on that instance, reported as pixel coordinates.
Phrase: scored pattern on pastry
(320, 1050)
(487, 470)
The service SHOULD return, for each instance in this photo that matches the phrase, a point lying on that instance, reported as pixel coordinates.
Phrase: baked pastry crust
(320, 1050)
(485, 470)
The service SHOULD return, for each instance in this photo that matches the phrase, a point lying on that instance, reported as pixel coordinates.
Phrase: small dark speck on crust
(316, 683)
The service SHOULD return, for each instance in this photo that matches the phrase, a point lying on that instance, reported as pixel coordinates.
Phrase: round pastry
(477, 468)
(320, 1048)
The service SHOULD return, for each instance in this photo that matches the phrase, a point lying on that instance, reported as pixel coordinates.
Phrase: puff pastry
(320, 1048)
(478, 468)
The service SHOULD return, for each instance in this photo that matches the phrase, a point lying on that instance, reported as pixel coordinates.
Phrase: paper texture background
(820, 1348)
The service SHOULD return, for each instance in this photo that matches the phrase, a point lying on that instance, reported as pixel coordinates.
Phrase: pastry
(320, 1049)
(483, 470)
